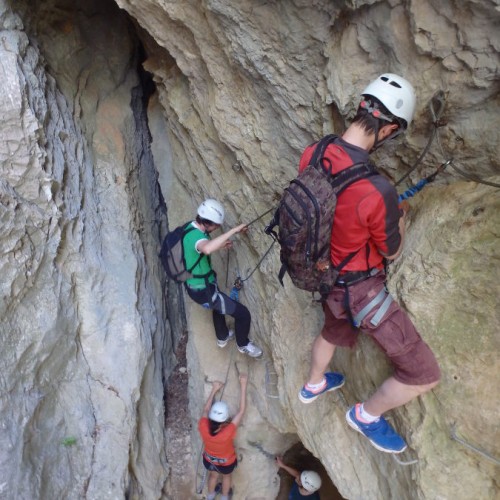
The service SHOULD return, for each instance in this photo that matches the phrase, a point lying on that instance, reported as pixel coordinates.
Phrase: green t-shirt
(191, 256)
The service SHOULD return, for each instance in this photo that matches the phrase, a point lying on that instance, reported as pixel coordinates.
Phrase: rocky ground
(178, 424)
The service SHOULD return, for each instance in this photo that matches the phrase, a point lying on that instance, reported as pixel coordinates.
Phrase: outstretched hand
(404, 206)
(279, 461)
(216, 385)
(242, 228)
(243, 378)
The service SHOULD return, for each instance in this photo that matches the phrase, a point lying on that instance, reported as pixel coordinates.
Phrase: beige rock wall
(255, 82)
(242, 86)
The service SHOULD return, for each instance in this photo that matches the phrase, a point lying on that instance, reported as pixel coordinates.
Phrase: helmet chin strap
(378, 142)
(373, 109)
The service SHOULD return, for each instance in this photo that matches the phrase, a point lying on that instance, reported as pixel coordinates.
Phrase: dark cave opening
(301, 459)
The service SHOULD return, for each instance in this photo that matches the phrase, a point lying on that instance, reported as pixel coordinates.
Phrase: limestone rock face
(82, 320)
(234, 91)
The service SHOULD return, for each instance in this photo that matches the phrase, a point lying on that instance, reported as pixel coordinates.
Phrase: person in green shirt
(202, 287)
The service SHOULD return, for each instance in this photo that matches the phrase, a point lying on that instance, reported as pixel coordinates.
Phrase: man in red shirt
(369, 222)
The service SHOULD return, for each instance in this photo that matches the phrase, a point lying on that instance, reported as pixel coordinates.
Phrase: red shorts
(414, 363)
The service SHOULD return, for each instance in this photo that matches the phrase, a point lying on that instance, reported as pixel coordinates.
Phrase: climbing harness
(383, 296)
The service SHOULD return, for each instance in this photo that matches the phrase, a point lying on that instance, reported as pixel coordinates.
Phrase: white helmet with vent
(395, 93)
(211, 210)
(310, 480)
(219, 412)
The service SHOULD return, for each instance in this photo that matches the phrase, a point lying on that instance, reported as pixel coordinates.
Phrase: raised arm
(222, 241)
(293, 472)
(215, 387)
(243, 400)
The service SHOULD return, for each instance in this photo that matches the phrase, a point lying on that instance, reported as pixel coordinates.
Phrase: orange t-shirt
(219, 446)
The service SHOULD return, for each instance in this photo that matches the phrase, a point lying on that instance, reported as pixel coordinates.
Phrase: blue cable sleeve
(235, 294)
(413, 190)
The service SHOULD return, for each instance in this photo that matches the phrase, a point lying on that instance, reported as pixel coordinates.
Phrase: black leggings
(221, 304)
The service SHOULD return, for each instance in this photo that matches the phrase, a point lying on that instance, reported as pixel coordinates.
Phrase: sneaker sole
(250, 356)
(354, 426)
(314, 398)
(221, 346)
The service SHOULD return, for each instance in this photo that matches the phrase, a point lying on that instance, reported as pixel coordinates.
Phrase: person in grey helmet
(202, 287)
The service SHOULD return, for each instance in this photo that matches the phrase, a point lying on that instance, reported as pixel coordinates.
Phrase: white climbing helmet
(310, 481)
(212, 210)
(395, 93)
(219, 412)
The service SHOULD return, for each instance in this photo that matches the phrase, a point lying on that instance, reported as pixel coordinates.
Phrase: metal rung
(271, 380)
(402, 462)
(201, 484)
(454, 436)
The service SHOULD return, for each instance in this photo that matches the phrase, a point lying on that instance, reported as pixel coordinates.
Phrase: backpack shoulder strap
(187, 228)
(319, 150)
(354, 173)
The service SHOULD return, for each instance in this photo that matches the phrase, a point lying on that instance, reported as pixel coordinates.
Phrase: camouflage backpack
(305, 218)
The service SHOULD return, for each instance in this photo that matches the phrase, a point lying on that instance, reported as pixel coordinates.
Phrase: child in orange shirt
(218, 431)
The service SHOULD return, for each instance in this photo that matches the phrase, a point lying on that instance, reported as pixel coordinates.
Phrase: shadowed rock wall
(83, 323)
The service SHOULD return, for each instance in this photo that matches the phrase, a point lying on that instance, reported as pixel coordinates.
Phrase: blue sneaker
(380, 433)
(333, 381)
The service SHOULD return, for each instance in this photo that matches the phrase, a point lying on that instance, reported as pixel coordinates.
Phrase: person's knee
(430, 386)
(423, 388)
(213, 475)
(243, 313)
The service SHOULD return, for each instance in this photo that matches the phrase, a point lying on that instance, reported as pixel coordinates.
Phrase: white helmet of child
(310, 480)
(211, 210)
(219, 412)
(395, 93)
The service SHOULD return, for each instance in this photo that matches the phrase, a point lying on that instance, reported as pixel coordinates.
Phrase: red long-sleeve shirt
(367, 213)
